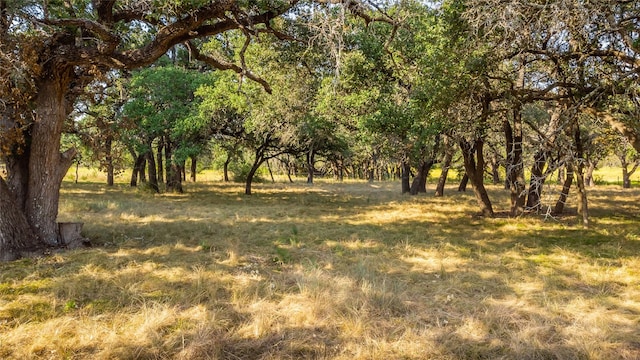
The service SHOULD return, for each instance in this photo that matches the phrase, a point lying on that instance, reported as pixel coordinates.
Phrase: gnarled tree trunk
(15, 232)
(474, 167)
(29, 198)
(47, 166)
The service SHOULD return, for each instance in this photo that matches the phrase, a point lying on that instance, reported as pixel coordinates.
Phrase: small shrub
(241, 172)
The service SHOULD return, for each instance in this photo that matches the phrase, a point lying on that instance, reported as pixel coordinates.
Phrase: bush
(241, 170)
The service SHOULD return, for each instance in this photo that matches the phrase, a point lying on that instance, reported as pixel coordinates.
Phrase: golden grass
(330, 271)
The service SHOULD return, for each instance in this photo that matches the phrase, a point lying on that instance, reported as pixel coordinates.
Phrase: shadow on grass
(392, 281)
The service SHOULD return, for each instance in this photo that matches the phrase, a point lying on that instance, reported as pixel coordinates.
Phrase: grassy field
(330, 271)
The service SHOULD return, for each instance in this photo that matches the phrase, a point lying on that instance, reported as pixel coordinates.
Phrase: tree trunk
(225, 168)
(419, 184)
(194, 168)
(406, 174)
(273, 180)
(310, 165)
(626, 178)
(47, 166)
(252, 172)
(583, 208)
(561, 175)
(109, 160)
(495, 169)
(153, 179)
(372, 167)
(160, 161)
(588, 175)
(514, 166)
(15, 233)
(474, 167)
(462, 187)
(562, 201)
(537, 181)
(173, 172)
(446, 164)
(138, 170)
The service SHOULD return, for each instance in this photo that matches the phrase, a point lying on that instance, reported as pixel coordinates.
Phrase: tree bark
(566, 186)
(47, 166)
(151, 164)
(109, 160)
(495, 169)
(138, 170)
(252, 172)
(406, 173)
(536, 181)
(474, 167)
(583, 208)
(16, 234)
(514, 166)
(225, 168)
(419, 184)
(446, 164)
(588, 175)
(173, 171)
(462, 187)
(194, 168)
(310, 165)
(160, 161)
(372, 167)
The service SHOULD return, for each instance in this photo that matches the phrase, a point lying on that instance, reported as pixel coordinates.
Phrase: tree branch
(225, 65)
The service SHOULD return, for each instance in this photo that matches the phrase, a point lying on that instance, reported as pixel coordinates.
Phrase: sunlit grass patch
(335, 270)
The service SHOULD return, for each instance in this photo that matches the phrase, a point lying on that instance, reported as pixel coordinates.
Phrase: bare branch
(225, 65)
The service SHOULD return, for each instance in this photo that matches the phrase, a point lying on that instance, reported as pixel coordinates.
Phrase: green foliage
(241, 169)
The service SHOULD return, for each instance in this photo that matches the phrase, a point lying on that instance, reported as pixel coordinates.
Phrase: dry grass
(330, 271)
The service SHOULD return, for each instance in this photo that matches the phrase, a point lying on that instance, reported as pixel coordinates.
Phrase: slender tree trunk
(626, 178)
(561, 175)
(562, 200)
(537, 181)
(194, 168)
(446, 164)
(138, 166)
(109, 160)
(273, 180)
(588, 175)
(372, 167)
(173, 171)
(583, 208)
(225, 168)
(514, 165)
(252, 172)
(406, 174)
(160, 161)
(310, 165)
(462, 187)
(474, 167)
(153, 179)
(495, 168)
